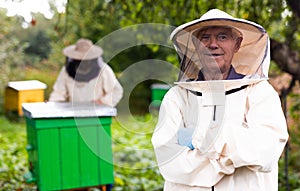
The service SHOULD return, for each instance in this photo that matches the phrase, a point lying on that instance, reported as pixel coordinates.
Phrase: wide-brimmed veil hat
(253, 57)
(84, 49)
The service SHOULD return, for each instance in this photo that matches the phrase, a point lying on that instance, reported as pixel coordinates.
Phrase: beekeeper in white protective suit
(221, 127)
(85, 77)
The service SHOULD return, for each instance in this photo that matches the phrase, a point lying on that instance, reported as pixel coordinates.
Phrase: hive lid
(160, 86)
(66, 109)
(27, 85)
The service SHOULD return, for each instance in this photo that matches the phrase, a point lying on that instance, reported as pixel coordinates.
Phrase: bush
(13, 156)
(134, 159)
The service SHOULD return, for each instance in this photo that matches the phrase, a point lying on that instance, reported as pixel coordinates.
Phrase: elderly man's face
(217, 45)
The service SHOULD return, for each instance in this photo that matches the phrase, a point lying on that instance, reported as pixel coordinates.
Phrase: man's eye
(204, 37)
(222, 37)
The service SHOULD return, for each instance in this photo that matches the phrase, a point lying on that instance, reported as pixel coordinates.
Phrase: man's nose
(213, 43)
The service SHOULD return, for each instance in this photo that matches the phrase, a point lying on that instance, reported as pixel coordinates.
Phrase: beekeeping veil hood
(252, 59)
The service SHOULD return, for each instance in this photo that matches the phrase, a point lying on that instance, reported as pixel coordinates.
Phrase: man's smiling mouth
(214, 55)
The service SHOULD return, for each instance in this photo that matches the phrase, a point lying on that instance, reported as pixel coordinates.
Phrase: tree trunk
(286, 59)
(281, 53)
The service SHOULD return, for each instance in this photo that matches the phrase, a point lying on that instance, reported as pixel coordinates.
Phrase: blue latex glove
(185, 137)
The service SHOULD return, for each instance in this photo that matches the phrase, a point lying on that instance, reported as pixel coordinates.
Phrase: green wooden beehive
(69, 146)
(158, 92)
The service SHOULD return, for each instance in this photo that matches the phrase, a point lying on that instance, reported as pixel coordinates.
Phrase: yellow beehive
(19, 92)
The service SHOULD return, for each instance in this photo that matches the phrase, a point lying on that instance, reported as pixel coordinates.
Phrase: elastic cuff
(190, 145)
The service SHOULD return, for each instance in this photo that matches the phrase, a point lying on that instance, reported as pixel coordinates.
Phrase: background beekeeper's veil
(252, 59)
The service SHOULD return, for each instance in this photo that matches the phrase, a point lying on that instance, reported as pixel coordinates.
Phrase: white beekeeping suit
(222, 135)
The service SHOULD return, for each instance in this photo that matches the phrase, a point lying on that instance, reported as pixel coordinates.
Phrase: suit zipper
(214, 115)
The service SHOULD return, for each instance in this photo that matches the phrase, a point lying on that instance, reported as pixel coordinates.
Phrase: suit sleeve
(112, 89)
(60, 92)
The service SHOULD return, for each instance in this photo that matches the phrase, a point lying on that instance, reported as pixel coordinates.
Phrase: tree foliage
(39, 45)
(11, 53)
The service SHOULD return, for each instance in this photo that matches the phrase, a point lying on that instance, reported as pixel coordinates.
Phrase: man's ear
(238, 43)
